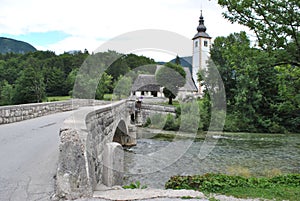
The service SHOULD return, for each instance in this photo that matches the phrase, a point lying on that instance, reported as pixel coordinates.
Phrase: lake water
(154, 161)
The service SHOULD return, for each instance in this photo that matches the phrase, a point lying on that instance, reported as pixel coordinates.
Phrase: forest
(34, 76)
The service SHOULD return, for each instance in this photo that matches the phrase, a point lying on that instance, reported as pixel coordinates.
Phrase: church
(145, 85)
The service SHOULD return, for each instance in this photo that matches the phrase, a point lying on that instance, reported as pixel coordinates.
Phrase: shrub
(171, 124)
(220, 183)
(147, 123)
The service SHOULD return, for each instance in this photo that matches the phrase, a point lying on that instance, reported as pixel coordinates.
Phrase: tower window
(205, 43)
(196, 43)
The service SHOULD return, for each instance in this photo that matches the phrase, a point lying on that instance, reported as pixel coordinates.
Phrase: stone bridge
(90, 146)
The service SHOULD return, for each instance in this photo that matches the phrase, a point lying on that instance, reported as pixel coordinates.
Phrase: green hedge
(215, 182)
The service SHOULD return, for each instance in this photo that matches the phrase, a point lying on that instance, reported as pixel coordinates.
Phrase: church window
(205, 43)
(196, 43)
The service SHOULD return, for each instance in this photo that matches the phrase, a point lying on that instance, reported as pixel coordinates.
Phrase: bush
(220, 183)
(171, 124)
(147, 123)
(156, 121)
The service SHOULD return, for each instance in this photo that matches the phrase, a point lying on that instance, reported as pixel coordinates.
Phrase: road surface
(28, 157)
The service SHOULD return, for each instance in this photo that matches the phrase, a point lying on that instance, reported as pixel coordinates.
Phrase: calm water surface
(255, 154)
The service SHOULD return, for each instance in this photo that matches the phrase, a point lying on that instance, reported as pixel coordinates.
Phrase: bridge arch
(121, 134)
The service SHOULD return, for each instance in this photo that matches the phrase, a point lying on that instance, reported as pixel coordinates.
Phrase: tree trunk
(170, 101)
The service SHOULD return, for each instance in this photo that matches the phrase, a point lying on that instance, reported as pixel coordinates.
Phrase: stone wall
(15, 113)
(82, 140)
(149, 109)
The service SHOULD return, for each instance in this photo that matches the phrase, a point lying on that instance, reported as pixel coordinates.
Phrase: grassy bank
(282, 187)
(57, 98)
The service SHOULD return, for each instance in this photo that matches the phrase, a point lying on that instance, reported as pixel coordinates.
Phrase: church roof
(202, 34)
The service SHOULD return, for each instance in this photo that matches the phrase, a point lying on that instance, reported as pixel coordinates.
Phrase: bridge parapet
(15, 113)
(82, 140)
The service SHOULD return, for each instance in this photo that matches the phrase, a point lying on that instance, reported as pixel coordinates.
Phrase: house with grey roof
(146, 85)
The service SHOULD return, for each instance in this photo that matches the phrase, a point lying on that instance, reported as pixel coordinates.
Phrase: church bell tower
(201, 47)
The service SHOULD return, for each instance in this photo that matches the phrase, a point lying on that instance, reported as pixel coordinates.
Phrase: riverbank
(281, 187)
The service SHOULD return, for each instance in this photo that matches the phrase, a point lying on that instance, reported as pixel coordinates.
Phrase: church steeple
(201, 28)
(201, 48)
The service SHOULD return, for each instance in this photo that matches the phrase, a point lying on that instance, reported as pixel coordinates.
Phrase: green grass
(278, 193)
(57, 98)
(282, 187)
(109, 97)
(174, 103)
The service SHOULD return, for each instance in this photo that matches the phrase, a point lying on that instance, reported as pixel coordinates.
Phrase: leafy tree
(177, 60)
(69, 82)
(134, 61)
(275, 23)
(54, 80)
(118, 68)
(287, 107)
(103, 86)
(6, 93)
(30, 85)
(171, 77)
(123, 86)
(261, 97)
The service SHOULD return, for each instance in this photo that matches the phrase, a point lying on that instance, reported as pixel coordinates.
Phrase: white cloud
(87, 21)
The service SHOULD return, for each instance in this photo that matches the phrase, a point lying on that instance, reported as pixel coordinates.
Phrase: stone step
(118, 193)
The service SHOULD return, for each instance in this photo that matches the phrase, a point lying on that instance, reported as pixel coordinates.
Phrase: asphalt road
(28, 158)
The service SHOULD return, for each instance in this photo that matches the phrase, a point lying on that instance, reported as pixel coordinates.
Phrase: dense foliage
(31, 77)
(261, 95)
(185, 119)
(275, 23)
(282, 187)
(262, 82)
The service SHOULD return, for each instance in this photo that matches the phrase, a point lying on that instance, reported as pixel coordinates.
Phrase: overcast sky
(63, 25)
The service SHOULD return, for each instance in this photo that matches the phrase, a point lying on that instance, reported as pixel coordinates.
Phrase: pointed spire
(201, 27)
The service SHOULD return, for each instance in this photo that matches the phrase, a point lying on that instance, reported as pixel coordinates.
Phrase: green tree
(118, 68)
(54, 79)
(171, 77)
(134, 61)
(103, 86)
(177, 60)
(123, 86)
(30, 87)
(6, 93)
(69, 82)
(275, 23)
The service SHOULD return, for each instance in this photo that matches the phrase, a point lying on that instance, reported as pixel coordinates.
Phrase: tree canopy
(275, 23)
(261, 96)
(31, 77)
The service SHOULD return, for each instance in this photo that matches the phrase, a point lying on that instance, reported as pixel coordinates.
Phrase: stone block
(113, 164)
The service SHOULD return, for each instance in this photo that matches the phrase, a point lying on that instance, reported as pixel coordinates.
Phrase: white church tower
(201, 47)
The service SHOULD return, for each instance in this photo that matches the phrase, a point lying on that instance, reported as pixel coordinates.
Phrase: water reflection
(255, 154)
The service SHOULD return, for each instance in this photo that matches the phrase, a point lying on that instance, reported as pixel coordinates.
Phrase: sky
(65, 25)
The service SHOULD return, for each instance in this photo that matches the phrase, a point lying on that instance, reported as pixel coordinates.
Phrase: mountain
(15, 46)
